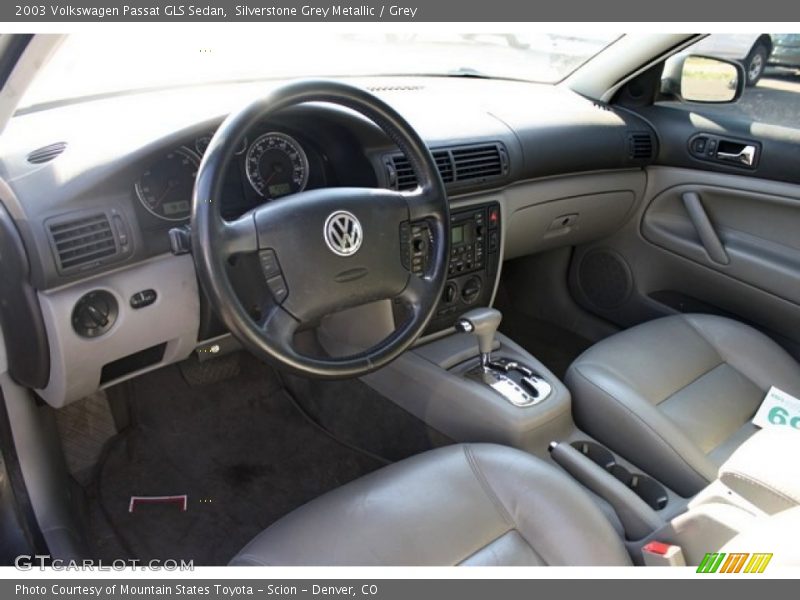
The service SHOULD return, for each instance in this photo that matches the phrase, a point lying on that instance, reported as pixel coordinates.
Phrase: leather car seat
(467, 504)
(675, 396)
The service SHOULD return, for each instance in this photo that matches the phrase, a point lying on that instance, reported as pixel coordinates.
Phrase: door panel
(670, 269)
(718, 229)
(777, 147)
(748, 235)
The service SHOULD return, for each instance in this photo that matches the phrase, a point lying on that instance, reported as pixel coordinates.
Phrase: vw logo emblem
(343, 233)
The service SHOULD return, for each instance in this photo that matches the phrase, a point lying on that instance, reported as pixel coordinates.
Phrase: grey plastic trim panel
(755, 255)
(44, 471)
(758, 287)
(701, 222)
(525, 206)
(174, 318)
(601, 201)
(638, 519)
(465, 410)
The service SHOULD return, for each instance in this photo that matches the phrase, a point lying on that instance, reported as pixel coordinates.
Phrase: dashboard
(92, 189)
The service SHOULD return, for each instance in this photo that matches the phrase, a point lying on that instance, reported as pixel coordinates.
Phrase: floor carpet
(239, 449)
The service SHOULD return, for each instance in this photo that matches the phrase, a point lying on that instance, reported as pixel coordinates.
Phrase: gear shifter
(482, 323)
(515, 382)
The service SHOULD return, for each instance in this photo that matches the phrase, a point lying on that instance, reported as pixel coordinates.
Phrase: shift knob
(482, 323)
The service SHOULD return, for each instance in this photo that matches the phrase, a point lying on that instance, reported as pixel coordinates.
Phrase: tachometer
(165, 189)
(276, 165)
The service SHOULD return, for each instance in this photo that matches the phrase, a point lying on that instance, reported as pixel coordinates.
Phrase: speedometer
(165, 189)
(276, 165)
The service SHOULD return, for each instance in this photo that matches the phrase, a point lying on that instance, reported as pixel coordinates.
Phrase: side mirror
(703, 79)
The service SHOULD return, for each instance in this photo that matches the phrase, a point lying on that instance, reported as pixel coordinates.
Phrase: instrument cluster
(271, 165)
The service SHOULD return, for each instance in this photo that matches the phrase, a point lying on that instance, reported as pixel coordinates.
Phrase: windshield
(87, 64)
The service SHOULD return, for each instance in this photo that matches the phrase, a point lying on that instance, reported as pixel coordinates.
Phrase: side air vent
(46, 153)
(641, 145)
(456, 164)
(84, 242)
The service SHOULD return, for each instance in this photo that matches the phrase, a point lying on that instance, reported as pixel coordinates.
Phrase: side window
(771, 64)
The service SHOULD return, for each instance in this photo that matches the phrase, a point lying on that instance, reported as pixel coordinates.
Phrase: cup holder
(597, 453)
(647, 488)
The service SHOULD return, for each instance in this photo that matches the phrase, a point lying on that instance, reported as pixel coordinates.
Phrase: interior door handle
(746, 156)
(708, 235)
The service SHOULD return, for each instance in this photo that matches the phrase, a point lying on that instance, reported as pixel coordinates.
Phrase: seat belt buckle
(659, 554)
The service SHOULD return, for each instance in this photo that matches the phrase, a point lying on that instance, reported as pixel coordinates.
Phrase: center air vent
(641, 145)
(457, 165)
(46, 153)
(84, 242)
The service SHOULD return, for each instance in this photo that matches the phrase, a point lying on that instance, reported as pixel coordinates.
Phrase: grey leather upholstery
(758, 472)
(675, 396)
(471, 504)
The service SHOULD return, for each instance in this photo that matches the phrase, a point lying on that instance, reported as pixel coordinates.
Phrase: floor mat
(84, 428)
(554, 346)
(238, 448)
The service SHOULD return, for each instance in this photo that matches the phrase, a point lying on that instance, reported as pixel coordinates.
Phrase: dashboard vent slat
(82, 241)
(457, 164)
(641, 145)
(46, 153)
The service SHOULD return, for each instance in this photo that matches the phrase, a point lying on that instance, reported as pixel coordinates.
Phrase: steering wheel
(324, 250)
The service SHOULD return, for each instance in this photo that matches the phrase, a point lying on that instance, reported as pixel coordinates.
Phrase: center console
(474, 263)
(478, 385)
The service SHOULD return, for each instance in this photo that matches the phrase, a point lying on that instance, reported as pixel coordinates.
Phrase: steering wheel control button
(342, 233)
(277, 285)
(419, 248)
(94, 314)
(143, 298)
(405, 245)
(269, 263)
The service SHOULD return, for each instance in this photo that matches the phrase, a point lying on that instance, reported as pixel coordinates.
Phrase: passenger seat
(675, 396)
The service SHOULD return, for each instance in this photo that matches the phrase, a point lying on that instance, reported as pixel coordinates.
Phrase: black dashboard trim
(10, 57)
(21, 319)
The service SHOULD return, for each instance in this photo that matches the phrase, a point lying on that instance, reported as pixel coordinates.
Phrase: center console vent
(402, 176)
(88, 240)
(476, 163)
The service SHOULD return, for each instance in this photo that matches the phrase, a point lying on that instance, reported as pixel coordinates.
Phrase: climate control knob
(471, 290)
